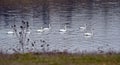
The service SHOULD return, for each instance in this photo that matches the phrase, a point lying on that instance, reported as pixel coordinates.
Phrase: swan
(88, 34)
(40, 30)
(63, 30)
(48, 28)
(28, 32)
(10, 32)
(83, 28)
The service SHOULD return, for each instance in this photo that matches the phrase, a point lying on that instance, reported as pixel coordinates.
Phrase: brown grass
(59, 59)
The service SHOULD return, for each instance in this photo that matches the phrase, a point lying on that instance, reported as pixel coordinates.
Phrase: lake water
(100, 17)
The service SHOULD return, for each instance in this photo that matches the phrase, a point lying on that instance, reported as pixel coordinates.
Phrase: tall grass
(59, 59)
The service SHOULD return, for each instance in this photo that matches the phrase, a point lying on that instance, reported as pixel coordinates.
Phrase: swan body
(44, 29)
(63, 30)
(10, 32)
(28, 32)
(88, 34)
(47, 29)
(40, 30)
(83, 28)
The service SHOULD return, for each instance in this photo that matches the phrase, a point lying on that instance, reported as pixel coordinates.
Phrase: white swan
(28, 32)
(47, 28)
(83, 28)
(40, 30)
(88, 34)
(63, 30)
(10, 32)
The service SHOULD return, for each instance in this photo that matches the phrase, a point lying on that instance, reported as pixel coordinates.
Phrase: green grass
(59, 59)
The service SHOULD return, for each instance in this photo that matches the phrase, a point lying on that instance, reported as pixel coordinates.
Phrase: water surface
(102, 18)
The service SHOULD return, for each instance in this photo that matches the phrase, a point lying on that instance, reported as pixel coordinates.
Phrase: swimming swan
(63, 30)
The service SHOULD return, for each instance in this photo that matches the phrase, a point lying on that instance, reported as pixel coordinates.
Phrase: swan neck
(41, 27)
(49, 26)
(65, 27)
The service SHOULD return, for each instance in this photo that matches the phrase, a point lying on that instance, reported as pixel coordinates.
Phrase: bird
(63, 30)
(10, 32)
(83, 28)
(89, 34)
(28, 32)
(40, 30)
(47, 28)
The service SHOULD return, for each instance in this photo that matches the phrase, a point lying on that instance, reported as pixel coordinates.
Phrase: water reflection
(101, 17)
(66, 12)
(45, 13)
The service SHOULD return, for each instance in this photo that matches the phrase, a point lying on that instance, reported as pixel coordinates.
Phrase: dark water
(102, 16)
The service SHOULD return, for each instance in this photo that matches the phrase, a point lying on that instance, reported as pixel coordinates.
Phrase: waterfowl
(88, 34)
(63, 30)
(40, 30)
(10, 32)
(47, 28)
(28, 32)
(83, 28)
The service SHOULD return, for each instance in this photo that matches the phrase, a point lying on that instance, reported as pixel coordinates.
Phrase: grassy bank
(59, 59)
